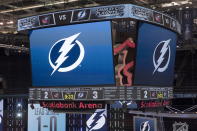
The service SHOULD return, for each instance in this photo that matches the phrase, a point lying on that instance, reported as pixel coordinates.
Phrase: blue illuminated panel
(155, 56)
(72, 55)
(144, 124)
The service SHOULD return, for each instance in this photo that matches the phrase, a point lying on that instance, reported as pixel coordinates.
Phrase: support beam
(37, 6)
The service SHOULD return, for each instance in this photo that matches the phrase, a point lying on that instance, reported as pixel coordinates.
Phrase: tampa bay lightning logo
(161, 56)
(66, 54)
(97, 120)
(145, 126)
(81, 14)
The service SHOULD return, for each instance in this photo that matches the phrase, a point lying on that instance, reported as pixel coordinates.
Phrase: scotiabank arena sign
(153, 104)
(72, 105)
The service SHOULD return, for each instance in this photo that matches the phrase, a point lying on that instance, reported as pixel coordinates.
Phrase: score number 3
(95, 94)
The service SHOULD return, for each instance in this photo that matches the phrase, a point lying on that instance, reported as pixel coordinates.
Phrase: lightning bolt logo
(145, 126)
(66, 47)
(163, 51)
(81, 14)
(97, 120)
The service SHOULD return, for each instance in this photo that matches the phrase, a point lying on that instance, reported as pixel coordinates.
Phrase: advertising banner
(107, 12)
(42, 119)
(155, 58)
(97, 14)
(73, 105)
(28, 23)
(72, 55)
(142, 13)
(153, 104)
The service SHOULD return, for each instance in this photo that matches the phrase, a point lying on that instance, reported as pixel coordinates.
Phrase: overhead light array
(12, 47)
(10, 22)
(177, 3)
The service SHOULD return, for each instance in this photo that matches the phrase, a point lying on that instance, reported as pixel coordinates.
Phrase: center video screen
(72, 55)
(124, 46)
(87, 54)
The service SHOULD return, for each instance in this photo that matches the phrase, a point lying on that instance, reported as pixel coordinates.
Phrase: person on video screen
(125, 62)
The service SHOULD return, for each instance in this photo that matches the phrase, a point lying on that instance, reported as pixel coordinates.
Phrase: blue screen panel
(155, 56)
(72, 55)
(144, 124)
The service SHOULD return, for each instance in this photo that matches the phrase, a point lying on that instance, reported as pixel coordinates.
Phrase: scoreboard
(100, 93)
(107, 53)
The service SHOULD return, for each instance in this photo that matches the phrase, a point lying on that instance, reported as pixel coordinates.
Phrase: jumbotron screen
(107, 60)
(155, 56)
(72, 55)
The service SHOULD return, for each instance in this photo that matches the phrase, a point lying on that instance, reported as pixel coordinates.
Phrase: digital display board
(99, 13)
(81, 62)
(100, 93)
(42, 119)
(124, 62)
(72, 55)
(144, 124)
(156, 48)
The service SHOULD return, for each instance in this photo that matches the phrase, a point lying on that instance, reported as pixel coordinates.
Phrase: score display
(100, 93)
(42, 119)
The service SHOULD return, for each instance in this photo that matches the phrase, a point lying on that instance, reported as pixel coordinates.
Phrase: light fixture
(19, 105)
(177, 3)
(1, 23)
(10, 22)
(187, 7)
(19, 115)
